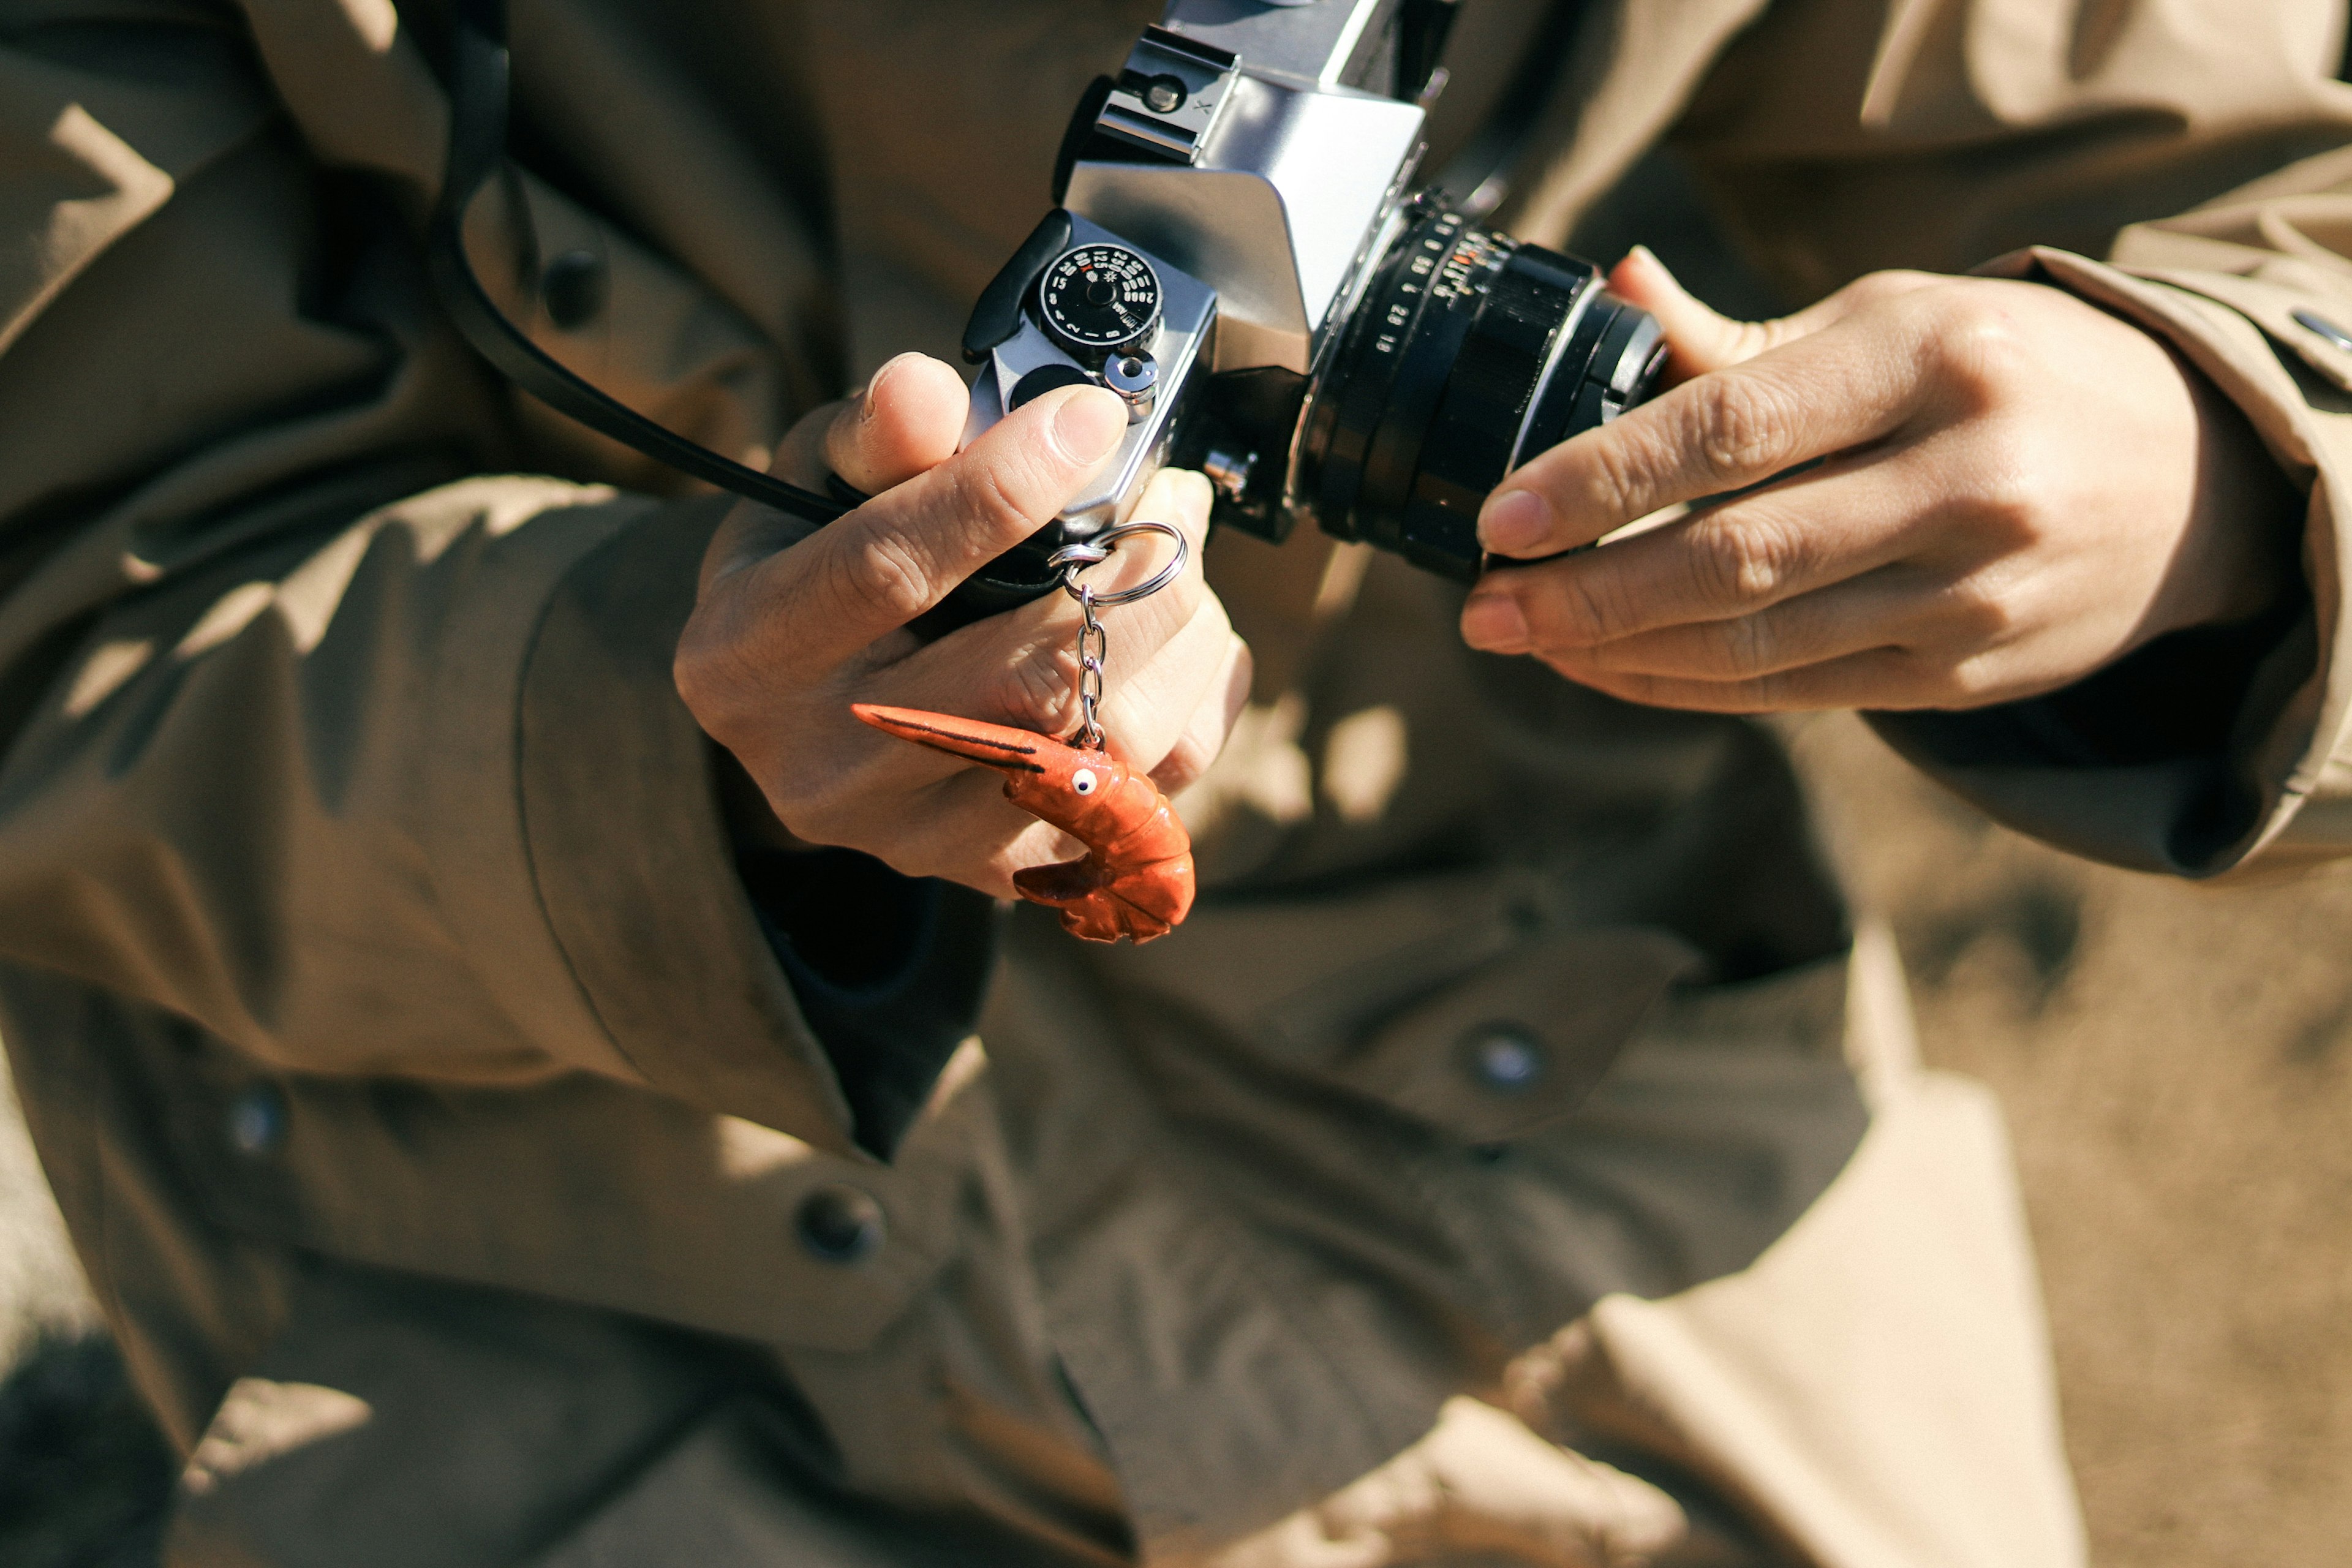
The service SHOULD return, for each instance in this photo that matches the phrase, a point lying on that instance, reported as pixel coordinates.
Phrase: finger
(907, 420)
(952, 819)
(1700, 339)
(1203, 734)
(1022, 667)
(906, 423)
(878, 567)
(1853, 381)
(961, 827)
(1893, 607)
(1796, 537)
(1181, 499)
(1883, 678)
(1147, 713)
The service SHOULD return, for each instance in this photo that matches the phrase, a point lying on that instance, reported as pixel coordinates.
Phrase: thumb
(1698, 340)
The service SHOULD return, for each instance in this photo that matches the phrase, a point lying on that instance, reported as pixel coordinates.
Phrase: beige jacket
(433, 1115)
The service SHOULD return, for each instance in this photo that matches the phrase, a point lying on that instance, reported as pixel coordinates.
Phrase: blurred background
(2176, 1062)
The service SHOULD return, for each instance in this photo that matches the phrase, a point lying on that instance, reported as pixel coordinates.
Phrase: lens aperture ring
(1410, 428)
(1347, 414)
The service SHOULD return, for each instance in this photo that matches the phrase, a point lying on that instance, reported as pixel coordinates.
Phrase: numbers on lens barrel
(1099, 299)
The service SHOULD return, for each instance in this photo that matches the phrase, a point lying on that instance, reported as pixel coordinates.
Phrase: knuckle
(1746, 562)
(1616, 475)
(883, 574)
(1879, 288)
(1040, 692)
(1978, 344)
(1740, 426)
(1947, 667)
(1982, 612)
(1969, 682)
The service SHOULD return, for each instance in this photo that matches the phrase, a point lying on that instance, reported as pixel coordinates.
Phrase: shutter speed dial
(1098, 301)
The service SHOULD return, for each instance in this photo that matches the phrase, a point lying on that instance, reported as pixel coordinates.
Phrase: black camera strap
(479, 87)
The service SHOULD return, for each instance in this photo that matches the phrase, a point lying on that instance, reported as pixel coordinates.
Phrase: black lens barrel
(1468, 353)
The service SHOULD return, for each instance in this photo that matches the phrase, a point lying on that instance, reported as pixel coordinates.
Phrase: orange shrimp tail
(1136, 877)
(1098, 905)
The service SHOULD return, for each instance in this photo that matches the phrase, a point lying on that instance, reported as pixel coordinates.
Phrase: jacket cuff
(630, 858)
(889, 973)
(2203, 750)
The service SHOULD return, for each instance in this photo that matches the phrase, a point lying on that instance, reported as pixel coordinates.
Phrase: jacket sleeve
(317, 728)
(1840, 136)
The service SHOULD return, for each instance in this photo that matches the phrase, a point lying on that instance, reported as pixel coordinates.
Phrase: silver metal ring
(1083, 553)
(1073, 559)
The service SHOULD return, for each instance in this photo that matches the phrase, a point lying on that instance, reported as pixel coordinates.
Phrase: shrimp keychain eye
(1136, 878)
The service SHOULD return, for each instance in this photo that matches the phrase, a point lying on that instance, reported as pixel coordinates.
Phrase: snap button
(841, 1225)
(1505, 1058)
(572, 288)
(2312, 321)
(256, 1123)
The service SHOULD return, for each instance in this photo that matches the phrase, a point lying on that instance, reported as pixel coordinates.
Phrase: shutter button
(841, 1225)
(1505, 1058)
(256, 1120)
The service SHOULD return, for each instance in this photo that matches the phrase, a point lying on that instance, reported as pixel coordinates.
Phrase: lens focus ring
(1467, 353)
(1496, 376)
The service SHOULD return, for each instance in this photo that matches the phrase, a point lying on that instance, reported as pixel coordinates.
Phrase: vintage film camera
(1238, 253)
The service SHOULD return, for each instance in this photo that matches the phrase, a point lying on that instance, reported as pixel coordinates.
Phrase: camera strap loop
(1094, 643)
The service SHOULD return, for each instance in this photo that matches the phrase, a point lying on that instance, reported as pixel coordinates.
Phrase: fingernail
(1493, 622)
(1514, 523)
(1090, 423)
(866, 404)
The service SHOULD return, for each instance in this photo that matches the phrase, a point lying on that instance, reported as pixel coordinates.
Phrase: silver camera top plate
(1188, 313)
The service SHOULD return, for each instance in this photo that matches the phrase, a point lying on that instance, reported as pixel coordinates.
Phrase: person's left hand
(2016, 488)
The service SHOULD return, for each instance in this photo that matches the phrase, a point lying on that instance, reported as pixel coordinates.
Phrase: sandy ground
(2176, 1064)
(83, 1473)
(41, 1289)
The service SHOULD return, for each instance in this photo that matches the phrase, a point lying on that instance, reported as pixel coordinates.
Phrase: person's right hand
(792, 626)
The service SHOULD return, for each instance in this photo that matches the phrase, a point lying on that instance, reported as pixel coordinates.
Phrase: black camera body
(1239, 254)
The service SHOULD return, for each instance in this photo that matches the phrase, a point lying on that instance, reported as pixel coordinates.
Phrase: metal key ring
(1073, 559)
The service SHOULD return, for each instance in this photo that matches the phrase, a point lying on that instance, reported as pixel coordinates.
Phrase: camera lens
(1467, 353)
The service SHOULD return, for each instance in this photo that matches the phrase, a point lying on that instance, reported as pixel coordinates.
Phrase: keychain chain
(1094, 643)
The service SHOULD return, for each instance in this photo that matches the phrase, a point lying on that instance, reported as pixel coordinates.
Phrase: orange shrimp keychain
(1135, 880)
